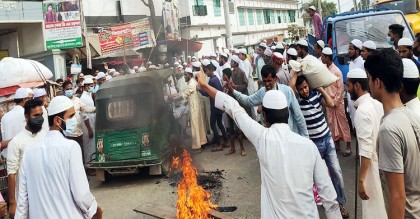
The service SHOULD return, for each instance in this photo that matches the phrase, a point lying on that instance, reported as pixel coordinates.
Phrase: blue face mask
(91, 89)
(390, 42)
(71, 125)
(68, 93)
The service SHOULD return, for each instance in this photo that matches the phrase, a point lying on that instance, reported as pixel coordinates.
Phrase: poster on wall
(62, 24)
(137, 34)
(171, 21)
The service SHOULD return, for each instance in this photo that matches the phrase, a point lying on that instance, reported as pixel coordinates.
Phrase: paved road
(240, 186)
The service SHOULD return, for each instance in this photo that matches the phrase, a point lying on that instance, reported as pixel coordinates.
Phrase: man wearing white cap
(405, 47)
(318, 47)
(32, 132)
(191, 94)
(53, 167)
(250, 77)
(277, 60)
(398, 138)
(356, 61)
(367, 121)
(368, 47)
(259, 60)
(289, 163)
(410, 82)
(224, 61)
(41, 94)
(13, 122)
(336, 117)
(317, 21)
(89, 121)
(100, 78)
(239, 78)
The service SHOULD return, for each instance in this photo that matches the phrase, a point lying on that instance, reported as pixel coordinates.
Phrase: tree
(328, 8)
(294, 30)
(151, 7)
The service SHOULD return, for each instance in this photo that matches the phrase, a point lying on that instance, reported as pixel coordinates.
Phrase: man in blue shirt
(215, 114)
(296, 120)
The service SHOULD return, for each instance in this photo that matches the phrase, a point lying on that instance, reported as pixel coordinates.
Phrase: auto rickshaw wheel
(166, 166)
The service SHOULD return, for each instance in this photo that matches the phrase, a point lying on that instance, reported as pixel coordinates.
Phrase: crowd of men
(384, 114)
(46, 143)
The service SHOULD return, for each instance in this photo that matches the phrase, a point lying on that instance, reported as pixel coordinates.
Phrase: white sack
(15, 71)
(314, 71)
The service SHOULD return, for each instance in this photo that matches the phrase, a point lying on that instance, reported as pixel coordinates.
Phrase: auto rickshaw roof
(143, 81)
(358, 14)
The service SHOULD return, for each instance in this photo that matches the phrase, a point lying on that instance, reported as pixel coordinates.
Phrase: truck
(410, 8)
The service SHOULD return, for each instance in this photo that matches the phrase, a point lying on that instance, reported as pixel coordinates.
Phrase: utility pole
(319, 8)
(339, 6)
(229, 42)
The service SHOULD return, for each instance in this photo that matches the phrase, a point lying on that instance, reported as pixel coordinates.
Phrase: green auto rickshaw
(134, 125)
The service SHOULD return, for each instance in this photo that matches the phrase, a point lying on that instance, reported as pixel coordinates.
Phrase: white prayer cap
(100, 75)
(357, 73)
(302, 43)
(39, 92)
(327, 51)
(193, 57)
(263, 45)
(152, 67)
(292, 52)
(149, 63)
(179, 66)
(268, 52)
(273, 47)
(410, 69)
(215, 63)
(405, 42)
(226, 51)
(136, 68)
(176, 63)
(143, 69)
(188, 57)
(112, 70)
(236, 59)
(205, 62)
(243, 51)
(184, 64)
(224, 55)
(357, 43)
(274, 99)
(196, 64)
(277, 55)
(21, 93)
(369, 45)
(235, 51)
(321, 43)
(30, 91)
(212, 54)
(280, 46)
(166, 65)
(59, 104)
(88, 81)
(189, 70)
(312, 7)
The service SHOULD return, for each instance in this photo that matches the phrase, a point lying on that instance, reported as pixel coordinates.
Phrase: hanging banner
(62, 24)
(137, 35)
(170, 16)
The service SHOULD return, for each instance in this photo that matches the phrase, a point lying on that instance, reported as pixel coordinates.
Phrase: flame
(193, 201)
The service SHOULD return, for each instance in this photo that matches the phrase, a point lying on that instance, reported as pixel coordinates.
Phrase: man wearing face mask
(32, 132)
(81, 109)
(395, 33)
(52, 167)
(41, 94)
(100, 79)
(89, 123)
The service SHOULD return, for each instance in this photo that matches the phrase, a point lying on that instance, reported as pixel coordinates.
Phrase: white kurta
(414, 105)
(52, 181)
(16, 148)
(356, 63)
(198, 130)
(12, 123)
(80, 109)
(367, 121)
(89, 143)
(290, 164)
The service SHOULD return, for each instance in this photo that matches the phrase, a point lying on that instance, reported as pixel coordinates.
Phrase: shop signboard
(62, 28)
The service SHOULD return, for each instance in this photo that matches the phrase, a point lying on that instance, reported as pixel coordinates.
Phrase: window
(266, 16)
(199, 2)
(279, 17)
(259, 13)
(121, 109)
(292, 16)
(199, 9)
(250, 17)
(241, 14)
(284, 17)
(272, 17)
(217, 9)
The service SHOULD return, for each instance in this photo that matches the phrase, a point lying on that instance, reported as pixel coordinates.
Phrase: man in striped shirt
(311, 102)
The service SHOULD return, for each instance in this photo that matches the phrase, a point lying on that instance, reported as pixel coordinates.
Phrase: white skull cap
(357, 43)
(369, 44)
(302, 43)
(21, 93)
(59, 104)
(292, 52)
(405, 42)
(357, 73)
(39, 92)
(410, 69)
(321, 43)
(327, 51)
(274, 99)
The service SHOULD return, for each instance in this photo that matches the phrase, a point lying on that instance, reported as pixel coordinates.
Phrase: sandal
(217, 148)
(347, 153)
(344, 212)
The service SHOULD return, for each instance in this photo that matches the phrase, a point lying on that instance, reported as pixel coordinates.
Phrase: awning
(95, 50)
(127, 52)
(183, 44)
